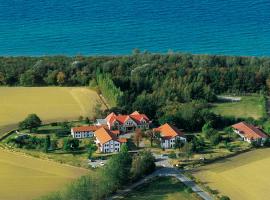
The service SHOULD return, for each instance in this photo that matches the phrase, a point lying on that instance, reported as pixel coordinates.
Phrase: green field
(249, 106)
(163, 188)
(245, 176)
(50, 103)
(24, 178)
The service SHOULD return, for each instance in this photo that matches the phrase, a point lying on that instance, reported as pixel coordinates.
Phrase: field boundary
(7, 134)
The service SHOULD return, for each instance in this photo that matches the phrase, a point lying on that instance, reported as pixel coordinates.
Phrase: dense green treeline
(156, 84)
(112, 94)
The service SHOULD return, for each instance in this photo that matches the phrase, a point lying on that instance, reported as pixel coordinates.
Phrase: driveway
(166, 170)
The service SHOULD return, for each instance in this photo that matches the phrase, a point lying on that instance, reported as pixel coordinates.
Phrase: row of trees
(120, 170)
(112, 94)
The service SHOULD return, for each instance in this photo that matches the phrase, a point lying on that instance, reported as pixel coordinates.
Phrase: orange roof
(116, 132)
(249, 131)
(169, 131)
(104, 135)
(85, 128)
(122, 140)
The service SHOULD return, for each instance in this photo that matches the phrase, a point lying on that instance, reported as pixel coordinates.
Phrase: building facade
(125, 123)
(107, 142)
(169, 135)
(84, 131)
(249, 133)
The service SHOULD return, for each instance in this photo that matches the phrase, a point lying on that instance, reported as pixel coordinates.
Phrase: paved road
(167, 170)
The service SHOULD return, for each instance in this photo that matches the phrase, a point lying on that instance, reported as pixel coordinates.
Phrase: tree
(187, 150)
(267, 142)
(87, 120)
(137, 137)
(47, 143)
(215, 139)
(80, 118)
(207, 129)
(117, 169)
(31, 121)
(142, 164)
(151, 136)
(179, 143)
(91, 149)
(2, 79)
(224, 198)
(71, 144)
(60, 78)
(98, 111)
(157, 138)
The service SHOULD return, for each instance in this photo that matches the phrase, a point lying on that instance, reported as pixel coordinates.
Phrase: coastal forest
(171, 87)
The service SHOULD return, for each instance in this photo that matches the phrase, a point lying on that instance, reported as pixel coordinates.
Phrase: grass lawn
(245, 176)
(249, 106)
(76, 158)
(23, 177)
(49, 103)
(163, 188)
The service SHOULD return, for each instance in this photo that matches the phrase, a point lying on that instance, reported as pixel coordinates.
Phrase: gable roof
(104, 135)
(249, 131)
(135, 116)
(169, 131)
(86, 128)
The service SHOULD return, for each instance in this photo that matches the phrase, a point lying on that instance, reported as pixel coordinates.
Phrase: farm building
(169, 134)
(84, 131)
(125, 123)
(107, 141)
(249, 132)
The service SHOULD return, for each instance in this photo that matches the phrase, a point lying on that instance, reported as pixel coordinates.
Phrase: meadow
(49, 103)
(23, 177)
(163, 188)
(245, 176)
(248, 106)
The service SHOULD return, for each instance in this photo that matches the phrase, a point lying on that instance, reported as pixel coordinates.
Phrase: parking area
(97, 163)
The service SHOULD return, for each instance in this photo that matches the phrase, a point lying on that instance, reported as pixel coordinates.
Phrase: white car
(102, 163)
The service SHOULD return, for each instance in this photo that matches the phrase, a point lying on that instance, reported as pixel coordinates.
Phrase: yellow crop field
(49, 103)
(245, 176)
(24, 178)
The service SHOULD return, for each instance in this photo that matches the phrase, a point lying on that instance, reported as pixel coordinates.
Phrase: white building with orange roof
(125, 123)
(84, 131)
(169, 134)
(248, 132)
(107, 141)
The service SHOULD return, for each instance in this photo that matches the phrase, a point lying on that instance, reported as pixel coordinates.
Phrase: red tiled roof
(168, 131)
(136, 116)
(249, 131)
(108, 118)
(85, 128)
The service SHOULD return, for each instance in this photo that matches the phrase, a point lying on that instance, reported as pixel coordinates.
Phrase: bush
(62, 133)
(224, 198)
(172, 155)
(54, 124)
(27, 142)
(189, 190)
(215, 139)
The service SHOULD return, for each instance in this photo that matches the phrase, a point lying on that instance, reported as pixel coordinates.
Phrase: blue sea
(115, 27)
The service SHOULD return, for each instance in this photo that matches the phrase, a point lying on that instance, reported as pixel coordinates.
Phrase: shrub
(224, 198)
(172, 155)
